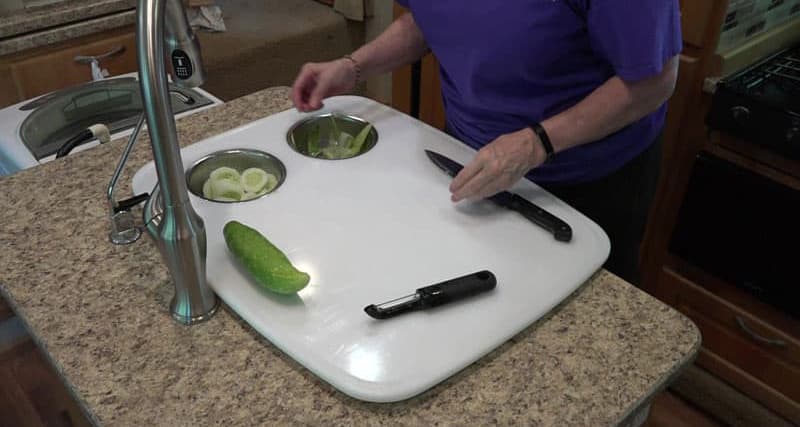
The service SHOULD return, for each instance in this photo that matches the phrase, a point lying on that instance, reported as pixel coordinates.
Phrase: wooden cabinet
(747, 344)
(38, 71)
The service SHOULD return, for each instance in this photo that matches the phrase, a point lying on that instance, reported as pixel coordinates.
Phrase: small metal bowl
(239, 159)
(298, 135)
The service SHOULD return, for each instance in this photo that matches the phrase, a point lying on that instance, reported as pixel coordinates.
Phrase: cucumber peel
(267, 264)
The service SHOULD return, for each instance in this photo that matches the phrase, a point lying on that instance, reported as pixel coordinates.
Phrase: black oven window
(743, 228)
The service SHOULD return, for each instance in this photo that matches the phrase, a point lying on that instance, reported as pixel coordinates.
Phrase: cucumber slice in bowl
(225, 173)
(235, 175)
(253, 180)
(226, 188)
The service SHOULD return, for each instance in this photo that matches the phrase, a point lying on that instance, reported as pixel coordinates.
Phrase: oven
(743, 228)
(739, 219)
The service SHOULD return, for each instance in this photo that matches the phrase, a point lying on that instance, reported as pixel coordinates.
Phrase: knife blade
(560, 230)
(435, 295)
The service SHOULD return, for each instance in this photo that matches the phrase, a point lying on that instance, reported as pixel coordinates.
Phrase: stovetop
(774, 81)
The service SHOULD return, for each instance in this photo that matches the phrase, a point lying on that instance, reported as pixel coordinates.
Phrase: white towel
(207, 18)
(356, 10)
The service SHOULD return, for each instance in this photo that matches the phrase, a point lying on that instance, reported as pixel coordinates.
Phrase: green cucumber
(268, 265)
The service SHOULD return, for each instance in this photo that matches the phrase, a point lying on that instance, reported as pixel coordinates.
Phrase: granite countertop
(100, 313)
(42, 26)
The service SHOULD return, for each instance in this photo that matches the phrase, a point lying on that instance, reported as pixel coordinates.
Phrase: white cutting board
(376, 227)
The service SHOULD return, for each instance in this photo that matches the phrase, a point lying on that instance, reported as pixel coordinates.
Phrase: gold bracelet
(356, 66)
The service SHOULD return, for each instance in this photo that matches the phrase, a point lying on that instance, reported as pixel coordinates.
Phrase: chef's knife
(560, 229)
(435, 295)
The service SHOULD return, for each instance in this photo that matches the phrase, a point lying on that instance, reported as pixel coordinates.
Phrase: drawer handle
(757, 337)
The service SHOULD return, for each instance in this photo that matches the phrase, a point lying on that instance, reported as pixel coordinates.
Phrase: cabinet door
(756, 352)
(44, 70)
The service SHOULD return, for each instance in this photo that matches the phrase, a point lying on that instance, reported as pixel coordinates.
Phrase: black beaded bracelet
(548, 146)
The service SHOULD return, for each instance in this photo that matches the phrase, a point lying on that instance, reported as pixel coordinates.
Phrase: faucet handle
(183, 47)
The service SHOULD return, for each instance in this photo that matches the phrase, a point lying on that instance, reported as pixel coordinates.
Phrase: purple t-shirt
(506, 64)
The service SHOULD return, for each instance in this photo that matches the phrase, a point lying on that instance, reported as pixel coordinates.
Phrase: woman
(568, 93)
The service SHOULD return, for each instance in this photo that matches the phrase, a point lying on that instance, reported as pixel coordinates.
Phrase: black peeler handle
(458, 288)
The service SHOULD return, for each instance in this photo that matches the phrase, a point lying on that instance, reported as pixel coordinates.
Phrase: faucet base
(192, 320)
(123, 229)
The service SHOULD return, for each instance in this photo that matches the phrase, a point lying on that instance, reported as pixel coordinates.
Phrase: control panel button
(181, 64)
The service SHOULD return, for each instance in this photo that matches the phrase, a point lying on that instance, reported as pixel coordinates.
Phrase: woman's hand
(317, 81)
(498, 165)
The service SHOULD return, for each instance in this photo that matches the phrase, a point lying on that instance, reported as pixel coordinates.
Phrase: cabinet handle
(757, 337)
(85, 59)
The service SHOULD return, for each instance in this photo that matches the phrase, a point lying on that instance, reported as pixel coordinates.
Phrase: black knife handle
(458, 288)
(560, 229)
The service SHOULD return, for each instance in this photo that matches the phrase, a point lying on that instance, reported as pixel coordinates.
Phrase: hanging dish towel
(353, 9)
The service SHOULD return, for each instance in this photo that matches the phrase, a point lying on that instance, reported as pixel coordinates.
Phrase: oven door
(743, 228)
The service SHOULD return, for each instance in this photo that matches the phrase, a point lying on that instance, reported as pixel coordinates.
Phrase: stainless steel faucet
(179, 232)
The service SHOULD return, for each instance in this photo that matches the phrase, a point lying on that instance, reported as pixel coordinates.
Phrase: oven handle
(757, 337)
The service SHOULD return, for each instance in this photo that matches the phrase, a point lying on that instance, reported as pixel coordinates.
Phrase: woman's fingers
(496, 167)
(304, 85)
(319, 91)
(316, 82)
(470, 180)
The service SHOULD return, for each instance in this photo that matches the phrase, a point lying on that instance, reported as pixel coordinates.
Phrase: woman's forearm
(400, 44)
(609, 108)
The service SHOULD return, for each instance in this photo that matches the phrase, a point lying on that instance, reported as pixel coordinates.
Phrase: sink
(378, 226)
(117, 103)
(32, 131)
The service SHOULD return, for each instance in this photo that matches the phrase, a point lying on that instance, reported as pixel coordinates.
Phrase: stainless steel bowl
(239, 159)
(298, 135)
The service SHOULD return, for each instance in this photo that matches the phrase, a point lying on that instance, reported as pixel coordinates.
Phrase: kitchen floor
(31, 394)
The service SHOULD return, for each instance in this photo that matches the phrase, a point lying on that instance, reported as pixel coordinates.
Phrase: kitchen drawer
(44, 70)
(762, 353)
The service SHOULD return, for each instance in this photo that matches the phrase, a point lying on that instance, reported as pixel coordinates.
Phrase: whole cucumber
(266, 263)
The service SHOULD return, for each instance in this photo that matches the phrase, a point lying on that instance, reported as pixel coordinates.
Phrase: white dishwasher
(32, 131)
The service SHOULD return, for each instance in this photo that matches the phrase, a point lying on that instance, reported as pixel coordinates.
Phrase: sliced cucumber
(225, 173)
(272, 182)
(226, 184)
(207, 193)
(248, 195)
(253, 180)
(226, 188)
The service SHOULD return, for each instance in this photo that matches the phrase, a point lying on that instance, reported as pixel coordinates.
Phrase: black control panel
(181, 64)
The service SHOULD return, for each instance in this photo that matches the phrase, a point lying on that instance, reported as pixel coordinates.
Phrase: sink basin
(117, 103)
(376, 227)
(32, 131)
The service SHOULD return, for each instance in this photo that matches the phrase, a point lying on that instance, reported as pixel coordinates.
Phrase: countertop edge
(668, 377)
(66, 32)
(68, 385)
(32, 19)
